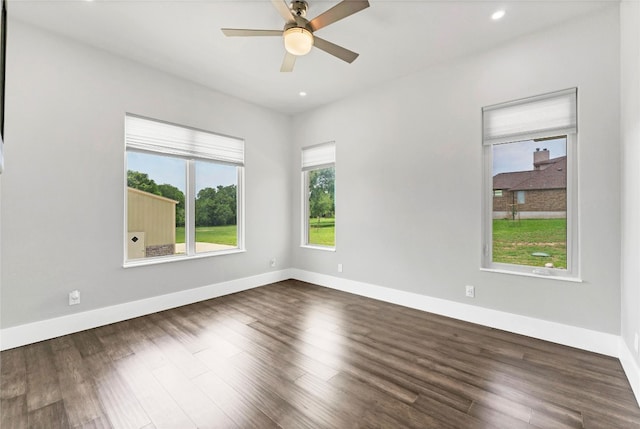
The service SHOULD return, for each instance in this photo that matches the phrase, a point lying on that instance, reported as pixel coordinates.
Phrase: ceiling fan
(298, 31)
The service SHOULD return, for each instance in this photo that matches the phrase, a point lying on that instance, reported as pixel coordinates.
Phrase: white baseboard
(631, 368)
(51, 328)
(594, 341)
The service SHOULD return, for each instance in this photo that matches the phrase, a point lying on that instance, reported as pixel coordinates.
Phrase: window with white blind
(184, 190)
(318, 196)
(530, 186)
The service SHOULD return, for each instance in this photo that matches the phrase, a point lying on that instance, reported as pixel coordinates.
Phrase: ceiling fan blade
(288, 62)
(338, 12)
(283, 10)
(239, 32)
(337, 51)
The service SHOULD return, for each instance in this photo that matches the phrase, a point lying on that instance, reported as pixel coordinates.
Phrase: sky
(519, 156)
(163, 170)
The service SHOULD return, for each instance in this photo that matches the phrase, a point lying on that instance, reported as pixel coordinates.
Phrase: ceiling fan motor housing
(299, 8)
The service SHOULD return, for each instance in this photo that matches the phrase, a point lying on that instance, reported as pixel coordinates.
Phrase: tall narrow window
(183, 193)
(319, 207)
(530, 204)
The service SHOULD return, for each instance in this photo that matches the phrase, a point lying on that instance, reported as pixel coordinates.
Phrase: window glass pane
(530, 215)
(321, 222)
(155, 205)
(216, 206)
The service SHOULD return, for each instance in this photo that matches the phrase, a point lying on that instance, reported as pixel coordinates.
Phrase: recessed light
(302, 94)
(497, 15)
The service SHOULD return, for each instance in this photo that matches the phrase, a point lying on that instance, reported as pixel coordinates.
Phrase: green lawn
(322, 233)
(515, 241)
(212, 234)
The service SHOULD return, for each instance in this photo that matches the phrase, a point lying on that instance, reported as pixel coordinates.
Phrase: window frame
(572, 271)
(540, 117)
(190, 202)
(305, 210)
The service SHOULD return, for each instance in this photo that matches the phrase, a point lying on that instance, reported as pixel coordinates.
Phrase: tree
(142, 182)
(173, 193)
(216, 206)
(322, 192)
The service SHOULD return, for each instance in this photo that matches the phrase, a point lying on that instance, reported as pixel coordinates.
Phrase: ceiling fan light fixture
(298, 41)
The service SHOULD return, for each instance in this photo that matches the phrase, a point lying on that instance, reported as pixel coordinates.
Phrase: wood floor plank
(52, 416)
(13, 412)
(248, 380)
(114, 346)
(76, 386)
(98, 423)
(243, 413)
(163, 411)
(87, 343)
(41, 376)
(407, 414)
(497, 419)
(119, 403)
(200, 409)
(297, 355)
(179, 356)
(13, 371)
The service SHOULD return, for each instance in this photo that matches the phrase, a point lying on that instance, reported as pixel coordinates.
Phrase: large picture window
(530, 204)
(318, 185)
(183, 192)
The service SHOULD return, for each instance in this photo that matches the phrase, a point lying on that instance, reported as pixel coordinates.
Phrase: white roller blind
(322, 155)
(554, 113)
(156, 136)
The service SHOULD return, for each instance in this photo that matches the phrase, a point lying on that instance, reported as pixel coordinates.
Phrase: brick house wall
(544, 200)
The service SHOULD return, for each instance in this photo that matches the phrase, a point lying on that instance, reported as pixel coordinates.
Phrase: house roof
(553, 176)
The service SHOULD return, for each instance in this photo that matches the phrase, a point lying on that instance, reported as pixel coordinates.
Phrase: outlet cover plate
(74, 297)
(470, 291)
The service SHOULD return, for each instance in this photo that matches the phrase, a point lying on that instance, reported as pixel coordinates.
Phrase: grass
(322, 233)
(515, 241)
(226, 234)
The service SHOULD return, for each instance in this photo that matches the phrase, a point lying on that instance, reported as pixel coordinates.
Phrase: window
(183, 192)
(318, 185)
(529, 147)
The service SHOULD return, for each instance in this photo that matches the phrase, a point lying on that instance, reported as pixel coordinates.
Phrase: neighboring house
(537, 193)
(151, 225)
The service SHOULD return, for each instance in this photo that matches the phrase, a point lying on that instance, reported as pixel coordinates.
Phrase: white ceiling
(394, 38)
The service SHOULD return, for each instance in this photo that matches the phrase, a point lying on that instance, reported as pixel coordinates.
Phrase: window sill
(167, 259)
(540, 276)
(325, 248)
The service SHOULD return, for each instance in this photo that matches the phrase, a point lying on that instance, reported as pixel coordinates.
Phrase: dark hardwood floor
(295, 355)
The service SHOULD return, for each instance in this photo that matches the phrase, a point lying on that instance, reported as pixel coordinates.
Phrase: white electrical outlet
(635, 342)
(273, 262)
(74, 297)
(339, 268)
(470, 291)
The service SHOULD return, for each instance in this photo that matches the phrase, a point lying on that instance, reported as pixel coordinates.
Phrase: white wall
(630, 138)
(63, 186)
(409, 169)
